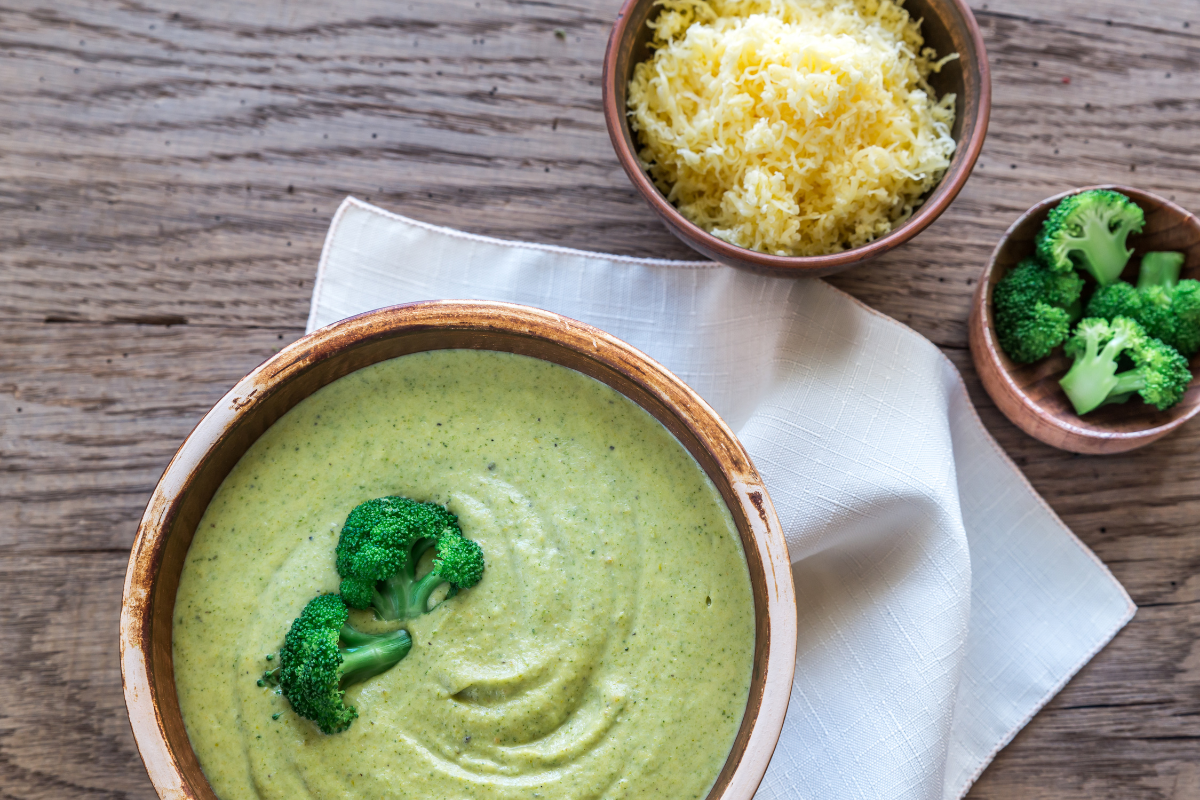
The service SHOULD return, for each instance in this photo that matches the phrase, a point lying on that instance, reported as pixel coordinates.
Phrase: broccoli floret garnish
(380, 538)
(1160, 374)
(1166, 307)
(1034, 307)
(458, 562)
(379, 549)
(322, 655)
(1088, 230)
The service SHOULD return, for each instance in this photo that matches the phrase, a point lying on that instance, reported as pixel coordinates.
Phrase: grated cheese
(794, 127)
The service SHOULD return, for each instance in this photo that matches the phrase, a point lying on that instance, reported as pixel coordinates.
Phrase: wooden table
(168, 174)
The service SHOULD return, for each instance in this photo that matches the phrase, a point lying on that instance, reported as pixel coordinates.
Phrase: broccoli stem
(355, 638)
(1128, 383)
(1091, 378)
(392, 596)
(389, 600)
(423, 589)
(380, 655)
(1105, 251)
(1160, 269)
(418, 550)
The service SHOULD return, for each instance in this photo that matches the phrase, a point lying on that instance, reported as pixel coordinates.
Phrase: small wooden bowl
(948, 27)
(1029, 394)
(267, 393)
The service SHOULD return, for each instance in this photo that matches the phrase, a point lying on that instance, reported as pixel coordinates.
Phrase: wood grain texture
(167, 173)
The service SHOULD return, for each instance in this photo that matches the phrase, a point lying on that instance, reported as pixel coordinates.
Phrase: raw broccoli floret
(1160, 374)
(1088, 230)
(322, 655)
(1170, 307)
(383, 541)
(1166, 307)
(1034, 307)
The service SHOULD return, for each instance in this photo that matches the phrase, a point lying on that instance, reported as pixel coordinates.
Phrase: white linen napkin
(942, 602)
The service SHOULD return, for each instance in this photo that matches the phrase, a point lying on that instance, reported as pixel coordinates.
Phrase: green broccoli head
(379, 540)
(1089, 230)
(1185, 301)
(314, 667)
(458, 562)
(1031, 336)
(1030, 281)
(1032, 309)
(1118, 299)
(1062, 288)
(1156, 314)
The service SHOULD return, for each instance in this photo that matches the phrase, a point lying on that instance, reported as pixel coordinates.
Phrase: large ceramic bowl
(948, 27)
(267, 393)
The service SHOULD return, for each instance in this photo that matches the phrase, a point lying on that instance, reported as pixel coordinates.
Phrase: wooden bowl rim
(718, 249)
(991, 347)
(743, 770)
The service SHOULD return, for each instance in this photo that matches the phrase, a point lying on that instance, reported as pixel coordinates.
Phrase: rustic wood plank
(243, 137)
(167, 173)
(64, 731)
(91, 414)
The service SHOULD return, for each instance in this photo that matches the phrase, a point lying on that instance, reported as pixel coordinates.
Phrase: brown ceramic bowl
(267, 393)
(1029, 394)
(949, 27)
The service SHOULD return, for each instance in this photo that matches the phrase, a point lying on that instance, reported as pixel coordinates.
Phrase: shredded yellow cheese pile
(794, 127)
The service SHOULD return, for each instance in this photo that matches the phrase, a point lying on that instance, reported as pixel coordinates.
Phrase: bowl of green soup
(633, 630)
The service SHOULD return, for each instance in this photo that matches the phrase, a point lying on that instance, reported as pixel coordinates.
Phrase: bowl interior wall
(1165, 229)
(320, 369)
(942, 27)
(628, 58)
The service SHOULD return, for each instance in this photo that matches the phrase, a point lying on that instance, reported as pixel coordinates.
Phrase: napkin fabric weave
(942, 602)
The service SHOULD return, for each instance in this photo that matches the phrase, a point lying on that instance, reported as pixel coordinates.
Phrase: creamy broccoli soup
(606, 652)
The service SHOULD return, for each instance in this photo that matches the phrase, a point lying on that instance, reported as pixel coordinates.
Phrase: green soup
(606, 653)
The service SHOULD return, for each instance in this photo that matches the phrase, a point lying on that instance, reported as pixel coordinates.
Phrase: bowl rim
(759, 528)
(943, 193)
(985, 346)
